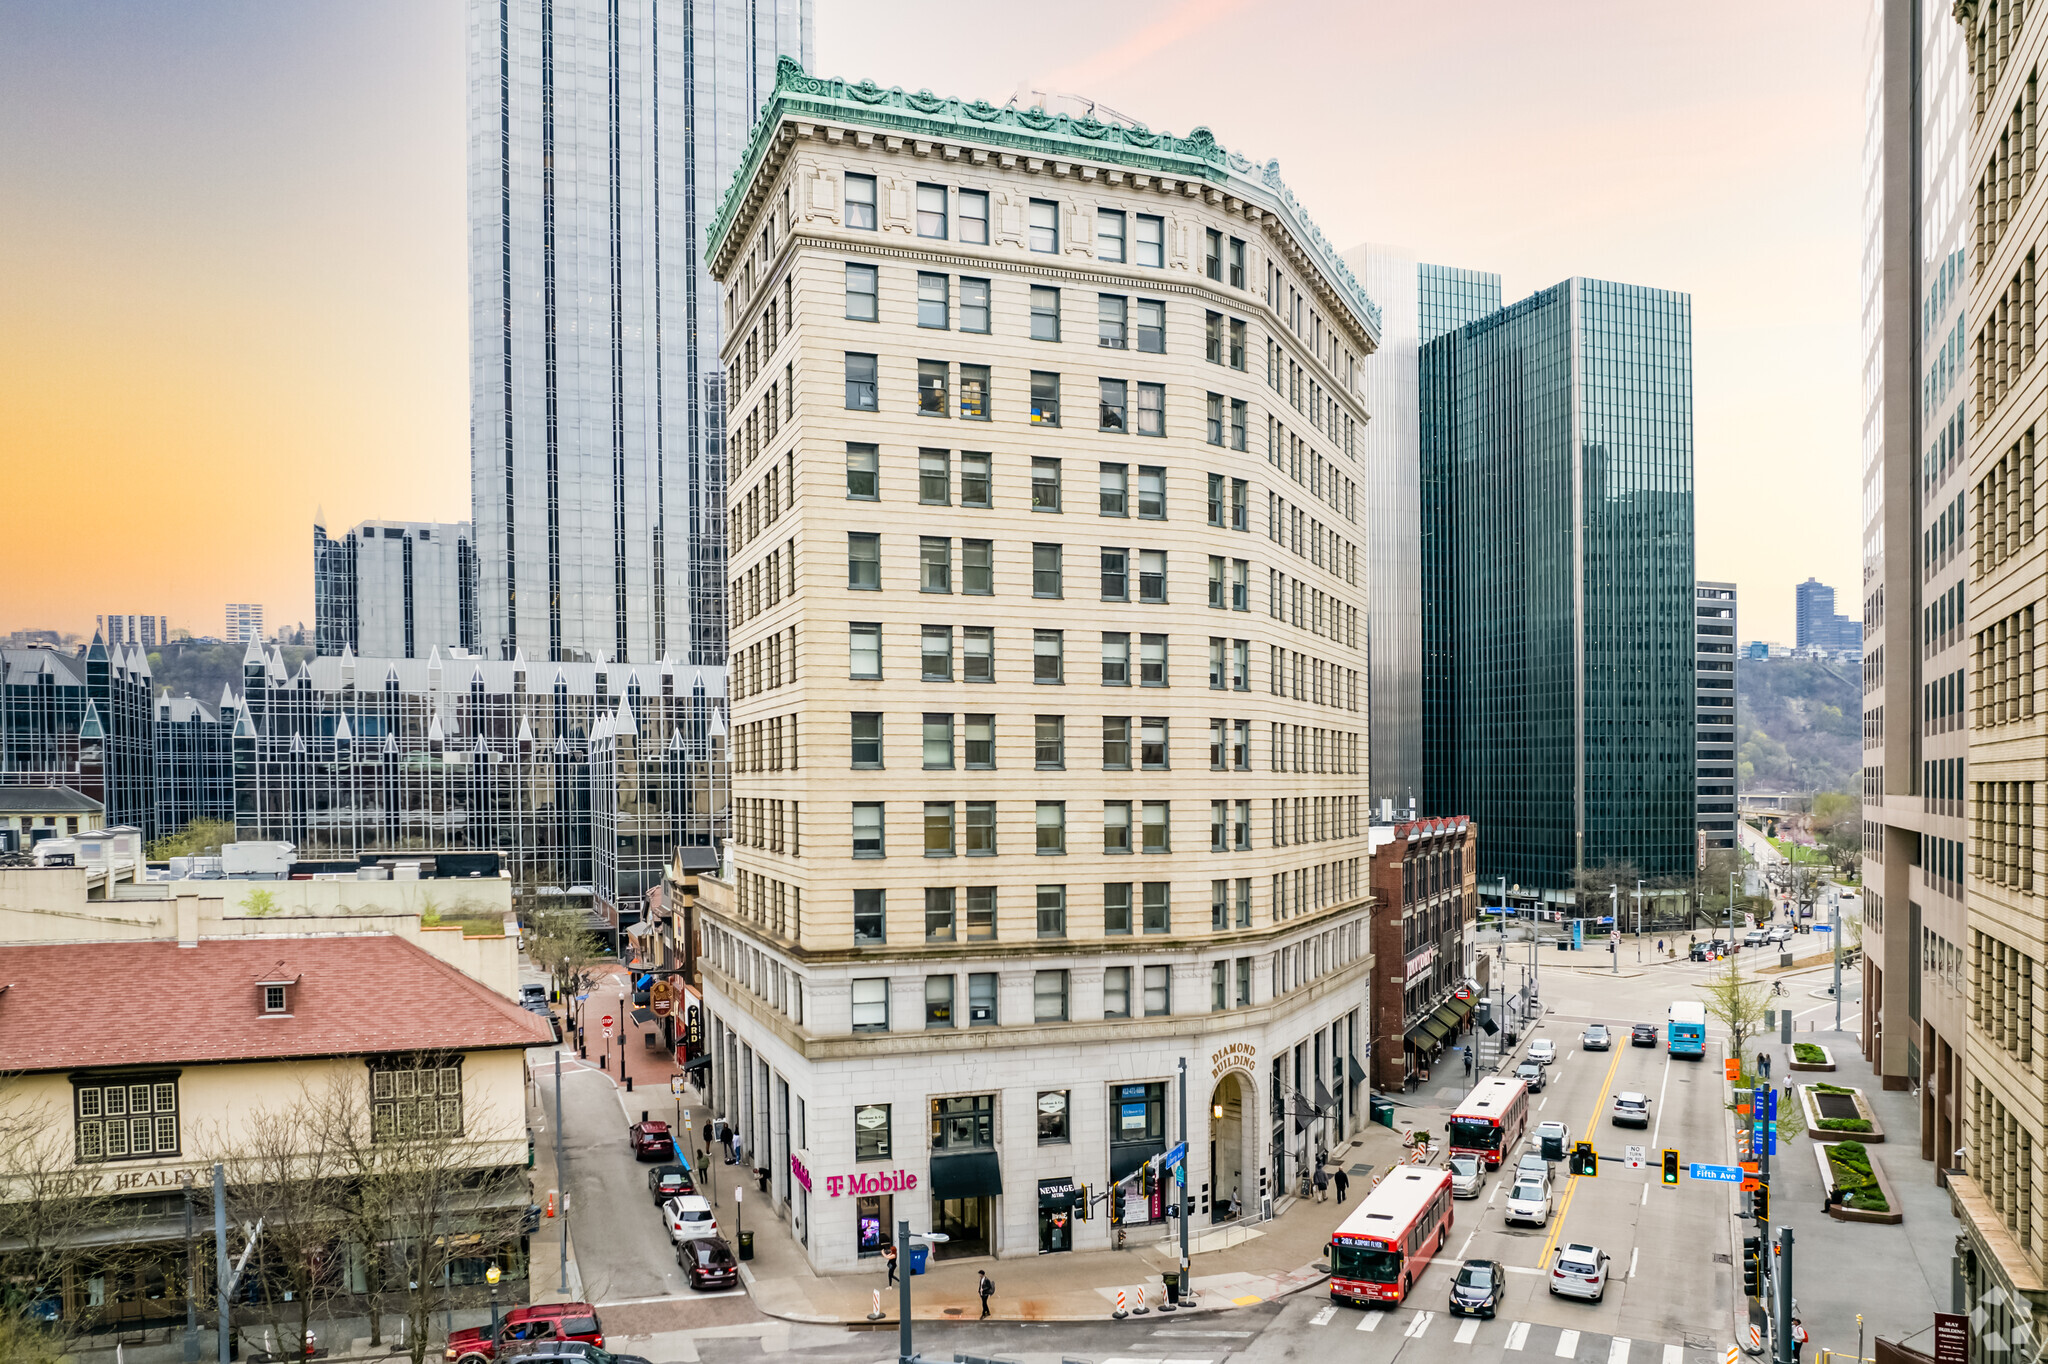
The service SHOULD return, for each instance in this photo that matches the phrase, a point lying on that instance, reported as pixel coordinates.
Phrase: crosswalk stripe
(1370, 1321)
(1674, 1354)
(1617, 1350)
(1518, 1335)
(1467, 1329)
(1568, 1345)
(1322, 1318)
(1420, 1324)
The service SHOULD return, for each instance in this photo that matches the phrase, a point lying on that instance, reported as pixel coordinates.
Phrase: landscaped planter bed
(1847, 1164)
(1838, 1113)
(1819, 1057)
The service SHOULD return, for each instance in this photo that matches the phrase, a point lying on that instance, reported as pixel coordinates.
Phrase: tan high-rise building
(2004, 1145)
(1046, 508)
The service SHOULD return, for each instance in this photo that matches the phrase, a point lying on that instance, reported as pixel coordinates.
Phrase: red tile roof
(155, 1003)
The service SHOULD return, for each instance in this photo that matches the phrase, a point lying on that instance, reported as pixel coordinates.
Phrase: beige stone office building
(2005, 1136)
(1048, 673)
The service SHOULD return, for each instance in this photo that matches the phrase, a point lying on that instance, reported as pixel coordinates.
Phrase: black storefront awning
(696, 1063)
(1058, 1195)
(1446, 1018)
(1357, 1071)
(1425, 1034)
(970, 1174)
(643, 1017)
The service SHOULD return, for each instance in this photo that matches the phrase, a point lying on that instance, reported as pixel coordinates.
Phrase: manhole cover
(1360, 1171)
(955, 1311)
(1723, 1260)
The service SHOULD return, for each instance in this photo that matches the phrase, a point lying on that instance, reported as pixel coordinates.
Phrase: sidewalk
(1232, 1265)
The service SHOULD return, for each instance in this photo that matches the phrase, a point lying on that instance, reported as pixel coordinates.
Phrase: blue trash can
(918, 1255)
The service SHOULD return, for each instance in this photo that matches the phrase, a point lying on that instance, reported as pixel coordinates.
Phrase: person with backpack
(986, 1289)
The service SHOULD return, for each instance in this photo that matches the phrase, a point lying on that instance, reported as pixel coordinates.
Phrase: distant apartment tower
(1923, 943)
(1977, 518)
(1557, 583)
(148, 632)
(395, 589)
(1049, 668)
(1714, 624)
(244, 622)
(603, 135)
(1418, 303)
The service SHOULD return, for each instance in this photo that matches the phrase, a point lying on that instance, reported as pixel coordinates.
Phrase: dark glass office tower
(1557, 551)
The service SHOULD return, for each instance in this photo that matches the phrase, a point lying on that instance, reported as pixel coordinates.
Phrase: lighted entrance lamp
(1215, 1110)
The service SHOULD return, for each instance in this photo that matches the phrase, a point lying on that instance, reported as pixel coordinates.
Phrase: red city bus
(1382, 1249)
(1491, 1121)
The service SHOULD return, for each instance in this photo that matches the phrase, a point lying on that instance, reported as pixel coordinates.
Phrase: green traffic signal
(1670, 1166)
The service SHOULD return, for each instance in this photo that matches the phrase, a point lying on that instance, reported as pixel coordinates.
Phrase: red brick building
(1425, 885)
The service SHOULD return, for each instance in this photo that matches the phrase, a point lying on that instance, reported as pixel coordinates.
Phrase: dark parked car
(651, 1141)
(670, 1181)
(1700, 951)
(707, 1262)
(569, 1352)
(555, 1323)
(1476, 1290)
(1642, 1035)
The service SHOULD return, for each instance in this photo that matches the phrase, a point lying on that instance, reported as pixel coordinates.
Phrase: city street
(1672, 1298)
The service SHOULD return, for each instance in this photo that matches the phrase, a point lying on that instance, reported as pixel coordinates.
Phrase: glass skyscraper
(1557, 582)
(602, 137)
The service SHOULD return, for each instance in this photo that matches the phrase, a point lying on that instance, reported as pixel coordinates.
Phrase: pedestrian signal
(1670, 1166)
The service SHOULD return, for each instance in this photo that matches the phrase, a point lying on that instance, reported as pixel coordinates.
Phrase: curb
(891, 1322)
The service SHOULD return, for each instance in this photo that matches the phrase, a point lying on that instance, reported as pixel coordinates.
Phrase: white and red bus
(1381, 1250)
(1491, 1121)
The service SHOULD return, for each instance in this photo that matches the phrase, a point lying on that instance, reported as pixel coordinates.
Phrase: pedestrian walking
(1343, 1185)
(739, 1150)
(1763, 1064)
(1322, 1184)
(889, 1258)
(1468, 1060)
(986, 1289)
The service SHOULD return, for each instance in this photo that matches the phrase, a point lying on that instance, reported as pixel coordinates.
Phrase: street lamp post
(491, 1277)
(905, 1353)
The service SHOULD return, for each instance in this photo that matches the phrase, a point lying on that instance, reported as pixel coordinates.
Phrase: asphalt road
(1671, 1298)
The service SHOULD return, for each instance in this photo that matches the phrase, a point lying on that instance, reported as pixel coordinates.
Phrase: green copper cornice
(1029, 132)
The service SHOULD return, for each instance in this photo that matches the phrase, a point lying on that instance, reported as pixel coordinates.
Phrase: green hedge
(1845, 1125)
(1807, 1054)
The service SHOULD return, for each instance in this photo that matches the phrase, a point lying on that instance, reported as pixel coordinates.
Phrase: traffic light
(1752, 1266)
(1670, 1167)
(1585, 1161)
(1081, 1205)
(1760, 1202)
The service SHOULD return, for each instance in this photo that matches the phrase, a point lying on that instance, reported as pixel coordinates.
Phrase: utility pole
(191, 1279)
(904, 1352)
(1614, 927)
(1837, 936)
(561, 1175)
(223, 1279)
(1784, 1295)
(1180, 1175)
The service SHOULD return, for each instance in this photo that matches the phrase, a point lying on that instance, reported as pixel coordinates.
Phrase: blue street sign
(1174, 1157)
(1722, 1174)
(1823, 928)
(1773, 1107)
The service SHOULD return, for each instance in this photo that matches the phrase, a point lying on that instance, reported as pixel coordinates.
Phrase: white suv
(688, 1217)
(1580, 1271)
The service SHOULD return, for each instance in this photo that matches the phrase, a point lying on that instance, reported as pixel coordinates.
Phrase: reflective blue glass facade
(1557, 551)
(1451, 297)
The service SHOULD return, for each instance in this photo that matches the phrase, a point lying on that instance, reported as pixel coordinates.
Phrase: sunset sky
(235, 276)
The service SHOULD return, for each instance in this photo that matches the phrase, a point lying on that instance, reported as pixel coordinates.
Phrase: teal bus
(1685, 1029)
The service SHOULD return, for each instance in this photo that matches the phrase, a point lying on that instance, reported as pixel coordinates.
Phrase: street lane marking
(1572, 1187)
(1674, 1354)
(1617, 1350)
(1467, 1329)
(1419, 1325)
(1370, 1321)
(1518, 1334)
(1466, 1244)
(1662, 1085)
(1638, 1250)
(1542, 1101)
(1322, 1318)
(1568, 1345)
(1645, 1203)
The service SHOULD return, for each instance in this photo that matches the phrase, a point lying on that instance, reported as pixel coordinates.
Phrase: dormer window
(276, 992)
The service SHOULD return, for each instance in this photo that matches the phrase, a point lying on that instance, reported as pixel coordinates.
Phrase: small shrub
(1807, 1054)
(1820, 1088)
(1845, 1125)
(259, 904)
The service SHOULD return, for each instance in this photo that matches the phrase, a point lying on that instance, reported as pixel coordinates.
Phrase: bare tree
(559, 940)
(282, 1169)
(427, 1188)
(54, 1218)
(1737, 1004)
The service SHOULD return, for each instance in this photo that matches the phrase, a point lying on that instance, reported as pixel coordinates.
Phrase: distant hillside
(199, 670)
(1800, 725)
